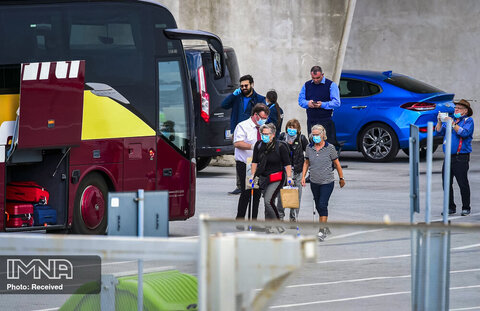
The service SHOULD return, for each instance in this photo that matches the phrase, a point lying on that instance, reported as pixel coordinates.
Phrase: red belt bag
(275, 176)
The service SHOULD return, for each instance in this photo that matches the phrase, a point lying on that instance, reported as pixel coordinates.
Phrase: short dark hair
(246, 77)
(295, 124)
(272, 96)
(259, 108)
(316, 69)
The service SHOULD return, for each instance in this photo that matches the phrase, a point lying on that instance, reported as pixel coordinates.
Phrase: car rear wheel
(203, 162)
(90, 206)
(378, 143)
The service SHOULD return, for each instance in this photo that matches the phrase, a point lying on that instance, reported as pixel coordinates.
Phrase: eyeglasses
(244, 86)
(460, 108)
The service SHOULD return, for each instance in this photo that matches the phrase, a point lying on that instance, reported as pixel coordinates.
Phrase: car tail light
(423, 129)
(204, 97)
(418, 106)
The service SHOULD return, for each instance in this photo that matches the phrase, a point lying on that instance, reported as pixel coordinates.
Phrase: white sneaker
(321, 235)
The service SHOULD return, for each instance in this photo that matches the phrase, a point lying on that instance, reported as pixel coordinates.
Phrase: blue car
(377, 110)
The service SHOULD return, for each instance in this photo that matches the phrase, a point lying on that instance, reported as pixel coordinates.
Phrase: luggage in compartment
(19, 215)
(44, 214)
(26, 191)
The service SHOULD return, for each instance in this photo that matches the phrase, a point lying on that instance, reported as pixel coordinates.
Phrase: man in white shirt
(244, 138)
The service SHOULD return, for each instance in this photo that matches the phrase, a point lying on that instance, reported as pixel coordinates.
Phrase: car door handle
(167, 172)
(359, 107)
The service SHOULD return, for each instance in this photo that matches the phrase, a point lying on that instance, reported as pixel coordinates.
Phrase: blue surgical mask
(266, 138)
(317, 139)
(457, 115)
(291, 132)
(261, 122)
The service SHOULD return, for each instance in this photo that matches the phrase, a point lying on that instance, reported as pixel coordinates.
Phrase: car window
(357, 88)
(351, 88)
(412, 85)
(373, 89)
(232, 75)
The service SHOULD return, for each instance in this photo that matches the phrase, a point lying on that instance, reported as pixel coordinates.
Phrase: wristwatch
(341, 178)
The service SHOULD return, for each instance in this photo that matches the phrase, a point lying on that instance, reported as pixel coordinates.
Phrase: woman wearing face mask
(319, 156)
(462, 135)
(271, 164)
(297, 143)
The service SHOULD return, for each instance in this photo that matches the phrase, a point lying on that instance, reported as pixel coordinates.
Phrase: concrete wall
(436, 41)
(276, 41)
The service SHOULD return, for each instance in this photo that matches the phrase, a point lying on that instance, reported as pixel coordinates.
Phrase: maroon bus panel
(51, 104)
(2, 196)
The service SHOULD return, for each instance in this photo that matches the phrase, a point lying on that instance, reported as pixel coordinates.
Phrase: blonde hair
(321, 129)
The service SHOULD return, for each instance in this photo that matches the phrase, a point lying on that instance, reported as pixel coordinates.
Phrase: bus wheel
(90, 207)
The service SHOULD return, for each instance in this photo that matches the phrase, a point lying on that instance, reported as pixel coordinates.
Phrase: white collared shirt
(245, 131)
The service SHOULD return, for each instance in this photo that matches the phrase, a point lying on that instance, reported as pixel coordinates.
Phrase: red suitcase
(19, 215)
(27, 191)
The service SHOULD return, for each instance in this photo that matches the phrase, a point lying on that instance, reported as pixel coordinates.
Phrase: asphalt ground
(363, 269)
(356, 268)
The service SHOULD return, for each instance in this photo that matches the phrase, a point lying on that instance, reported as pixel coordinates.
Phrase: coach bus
(94, 97)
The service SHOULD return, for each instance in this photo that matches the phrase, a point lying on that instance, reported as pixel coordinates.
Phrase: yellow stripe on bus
(105, 118)
(8, 107)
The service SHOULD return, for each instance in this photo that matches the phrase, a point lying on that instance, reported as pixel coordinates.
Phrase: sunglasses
(244, 86)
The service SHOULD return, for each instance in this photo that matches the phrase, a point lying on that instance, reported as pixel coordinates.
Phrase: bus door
(174, 158)
(176, 166)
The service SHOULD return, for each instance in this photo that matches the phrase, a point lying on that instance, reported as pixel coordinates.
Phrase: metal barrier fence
(358, 266)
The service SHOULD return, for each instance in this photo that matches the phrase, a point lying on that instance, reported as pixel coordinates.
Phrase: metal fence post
(204, 233)
(429, 171)
(140, 202)
(107, 295)
(446, 171)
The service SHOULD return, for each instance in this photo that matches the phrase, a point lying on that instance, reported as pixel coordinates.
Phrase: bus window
(172, 116)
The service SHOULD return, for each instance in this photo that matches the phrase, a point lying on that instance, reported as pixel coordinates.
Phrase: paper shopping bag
(289, 197)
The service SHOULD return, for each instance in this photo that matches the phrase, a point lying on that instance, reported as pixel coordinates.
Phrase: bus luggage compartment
(51, 174)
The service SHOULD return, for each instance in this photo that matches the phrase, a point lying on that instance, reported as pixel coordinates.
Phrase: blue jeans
(321, 195)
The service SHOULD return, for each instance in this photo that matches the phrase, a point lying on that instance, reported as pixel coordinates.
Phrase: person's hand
(303, 182)
(318, 104)
(342, 183)
(237, 92)
(439, 119)
(446, 119)
(251, 181)
(311, 104)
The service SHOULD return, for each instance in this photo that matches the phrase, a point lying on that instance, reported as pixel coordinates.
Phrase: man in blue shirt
(319, 96)
(241, 101)
(462, 135)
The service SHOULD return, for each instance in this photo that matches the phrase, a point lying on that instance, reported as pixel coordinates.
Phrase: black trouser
(245, 194)
(329, 128)
(459, 165)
